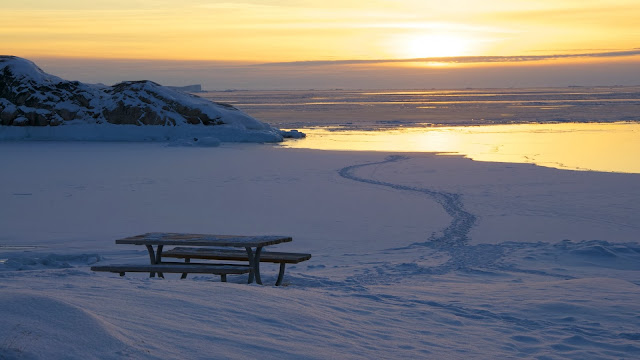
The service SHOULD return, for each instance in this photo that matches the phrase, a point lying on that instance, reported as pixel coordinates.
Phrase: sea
(573, 128)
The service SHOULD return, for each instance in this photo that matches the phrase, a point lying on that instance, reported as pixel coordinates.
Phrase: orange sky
(295, 30)
(264, 31)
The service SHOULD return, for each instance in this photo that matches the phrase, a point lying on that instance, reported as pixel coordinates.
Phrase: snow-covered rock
(33, 103)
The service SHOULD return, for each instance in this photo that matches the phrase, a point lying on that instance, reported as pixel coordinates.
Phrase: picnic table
(252, 244)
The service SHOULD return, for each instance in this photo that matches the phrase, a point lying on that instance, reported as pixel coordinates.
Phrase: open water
(577, 128)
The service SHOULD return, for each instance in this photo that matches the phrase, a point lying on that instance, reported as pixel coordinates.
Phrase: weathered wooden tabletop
(203, 240)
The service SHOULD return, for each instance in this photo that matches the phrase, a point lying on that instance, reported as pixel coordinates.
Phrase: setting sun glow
(434, 45)
(296, 30)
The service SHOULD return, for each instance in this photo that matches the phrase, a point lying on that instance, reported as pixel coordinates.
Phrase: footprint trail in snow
(515, 258)
(454, 235)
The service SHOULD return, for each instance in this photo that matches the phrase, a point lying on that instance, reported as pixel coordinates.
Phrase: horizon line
(459, 59)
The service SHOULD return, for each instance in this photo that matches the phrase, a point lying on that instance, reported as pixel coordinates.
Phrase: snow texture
(414, 256)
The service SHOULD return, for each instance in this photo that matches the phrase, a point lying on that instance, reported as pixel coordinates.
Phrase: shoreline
(581, 146)
(601, 147)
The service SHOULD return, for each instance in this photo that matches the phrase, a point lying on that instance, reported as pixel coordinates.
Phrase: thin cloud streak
(461, 59)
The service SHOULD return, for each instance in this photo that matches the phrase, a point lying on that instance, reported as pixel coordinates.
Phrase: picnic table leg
(156, 258)
(159, 258)
(159, 254)
(251, 264)
(254, 263)
(152, 257)
(280, 274)
(184, 275)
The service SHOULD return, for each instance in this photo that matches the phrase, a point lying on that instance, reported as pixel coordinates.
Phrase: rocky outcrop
(31, 97)
(137, 102)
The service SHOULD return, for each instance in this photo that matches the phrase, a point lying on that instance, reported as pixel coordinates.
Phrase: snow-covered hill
(37, 105)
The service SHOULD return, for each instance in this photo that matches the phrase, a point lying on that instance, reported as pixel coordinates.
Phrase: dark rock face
(30, 97)
(136, 103)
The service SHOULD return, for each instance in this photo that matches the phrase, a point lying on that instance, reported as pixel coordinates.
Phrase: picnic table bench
(252, 254)
(217, 269)
(282, 258)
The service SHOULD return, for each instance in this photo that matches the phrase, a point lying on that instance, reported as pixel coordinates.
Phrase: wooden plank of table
(234, 255)
(203, 240)
(217, 269)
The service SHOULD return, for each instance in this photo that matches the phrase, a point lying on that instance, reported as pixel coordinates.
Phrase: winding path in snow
(453, 239)
(454, 235)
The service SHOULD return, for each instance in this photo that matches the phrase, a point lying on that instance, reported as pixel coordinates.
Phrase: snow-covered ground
(414, 256)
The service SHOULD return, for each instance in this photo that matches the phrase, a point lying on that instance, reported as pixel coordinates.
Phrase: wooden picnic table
(252, 244)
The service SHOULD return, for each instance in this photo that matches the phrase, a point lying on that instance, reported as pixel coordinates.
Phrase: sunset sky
(393, 39)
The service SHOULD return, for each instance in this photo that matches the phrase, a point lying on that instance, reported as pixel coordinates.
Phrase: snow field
(384, 280)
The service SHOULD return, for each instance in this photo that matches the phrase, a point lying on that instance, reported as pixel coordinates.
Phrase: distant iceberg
(35, 105)
(188, 88)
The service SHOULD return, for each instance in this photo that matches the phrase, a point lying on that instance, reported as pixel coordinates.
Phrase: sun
(434, 45)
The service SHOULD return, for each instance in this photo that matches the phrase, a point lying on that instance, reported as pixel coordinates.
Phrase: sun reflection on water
(611, 147)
